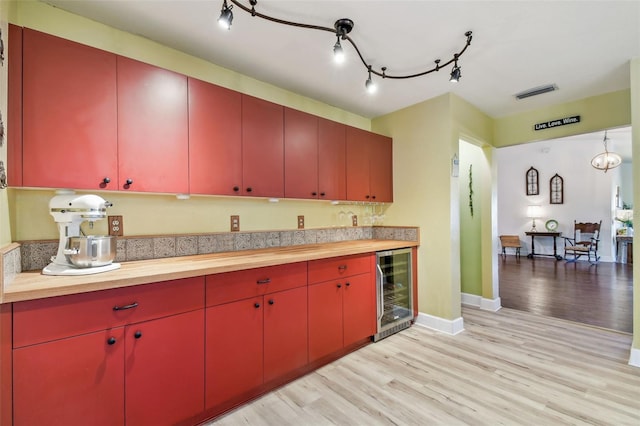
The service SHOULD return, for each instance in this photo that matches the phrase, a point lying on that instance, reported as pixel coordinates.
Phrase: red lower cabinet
(164, 370)
(285, 332)
(234, 342)
(359, 308)
(72, 380)
(254, 341)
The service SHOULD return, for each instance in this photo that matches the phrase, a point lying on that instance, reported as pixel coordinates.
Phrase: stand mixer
(78, 254)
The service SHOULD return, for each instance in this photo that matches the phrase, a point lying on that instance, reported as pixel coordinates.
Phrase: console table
(553, 235)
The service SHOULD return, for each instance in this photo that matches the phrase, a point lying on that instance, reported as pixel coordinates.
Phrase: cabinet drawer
(231, 286)
(43, 320)
(339, 267)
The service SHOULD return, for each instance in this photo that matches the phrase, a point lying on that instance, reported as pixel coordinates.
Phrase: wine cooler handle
(380, 281)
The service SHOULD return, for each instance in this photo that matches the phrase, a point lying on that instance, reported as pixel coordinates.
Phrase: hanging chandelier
(341, 29)
(606, 160)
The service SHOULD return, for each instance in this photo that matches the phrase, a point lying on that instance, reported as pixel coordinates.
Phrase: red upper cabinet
(262, 148)
(332, 169)
(300, 154)
(14, 104)
(381, 168)
(358, 188)
(153, 141)
(369, 166)
(69, 114)
(215, 139)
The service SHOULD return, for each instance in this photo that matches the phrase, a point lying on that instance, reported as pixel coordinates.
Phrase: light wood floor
(506, 368)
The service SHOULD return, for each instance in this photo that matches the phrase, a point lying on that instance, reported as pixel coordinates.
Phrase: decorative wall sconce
(341, 29)
(531, 183)
(606, 160)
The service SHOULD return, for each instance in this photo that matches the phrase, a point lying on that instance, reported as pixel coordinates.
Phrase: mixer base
(56, 269)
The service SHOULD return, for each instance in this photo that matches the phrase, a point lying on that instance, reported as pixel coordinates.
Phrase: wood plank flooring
(507, 368)
(600, 295)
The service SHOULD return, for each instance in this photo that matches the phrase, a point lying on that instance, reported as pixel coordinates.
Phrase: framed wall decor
(532, 182)
(556, 189)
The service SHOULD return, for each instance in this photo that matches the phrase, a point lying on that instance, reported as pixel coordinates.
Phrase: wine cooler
(394, 277)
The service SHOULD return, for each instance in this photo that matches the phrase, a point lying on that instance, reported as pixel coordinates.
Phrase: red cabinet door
(332, 152)
(285, 332)
(262, 148)
(358, 165)
(153, 143)
(215, 139)
(381, 169)
(325, 319)
(300, 154)
(63, 382)
(69, 114)
(164, 373)
(359, 308)
(234, 347)
(14, 105)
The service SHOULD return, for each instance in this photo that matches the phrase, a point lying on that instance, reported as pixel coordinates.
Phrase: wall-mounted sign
(555, 123)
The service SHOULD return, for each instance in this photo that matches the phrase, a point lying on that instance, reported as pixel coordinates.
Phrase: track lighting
(369, 84)
(455, 72)
(226, 16)
(606, 160)
(341, 29)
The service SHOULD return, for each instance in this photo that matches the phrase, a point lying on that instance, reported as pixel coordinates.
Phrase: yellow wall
(5, 228)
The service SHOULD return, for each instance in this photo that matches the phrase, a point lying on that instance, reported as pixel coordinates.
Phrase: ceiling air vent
(536, 91)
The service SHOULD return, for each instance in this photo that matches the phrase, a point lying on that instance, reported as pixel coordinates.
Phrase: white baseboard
(634, 357)
(442, 325)
(476, 301)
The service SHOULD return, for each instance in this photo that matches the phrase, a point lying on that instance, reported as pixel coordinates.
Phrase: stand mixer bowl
(90, 251)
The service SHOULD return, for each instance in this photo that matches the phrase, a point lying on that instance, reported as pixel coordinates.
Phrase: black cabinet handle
(125, 307)
(367, 197)
(339, 285)
(249, 189)
(236, 188)
(256, 305)
(322, 194)
(348, 283)
(128, 183)
(314, 193)
(342, 267)
(137, 334)
(373, 196)
(111, 340)
(271, 301)
(106, 180)
(265, 281)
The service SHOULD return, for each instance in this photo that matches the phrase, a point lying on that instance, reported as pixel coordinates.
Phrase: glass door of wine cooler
(395, 291)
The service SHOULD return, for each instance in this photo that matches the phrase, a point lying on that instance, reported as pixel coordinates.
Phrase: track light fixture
(341, 29)
(226, 16)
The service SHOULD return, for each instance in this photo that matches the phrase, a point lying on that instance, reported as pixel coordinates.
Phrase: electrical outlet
(116, 226)
(300, 222)
(235, 223)
(354, 220)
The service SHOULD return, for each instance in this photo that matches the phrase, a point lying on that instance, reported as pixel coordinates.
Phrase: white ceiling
(583, 47)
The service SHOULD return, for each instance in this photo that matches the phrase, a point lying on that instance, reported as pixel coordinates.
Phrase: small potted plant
(625, 217)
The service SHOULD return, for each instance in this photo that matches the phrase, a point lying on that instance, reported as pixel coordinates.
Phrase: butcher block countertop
(33, 285)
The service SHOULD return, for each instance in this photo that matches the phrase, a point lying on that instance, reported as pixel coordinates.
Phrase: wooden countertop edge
(33, 285)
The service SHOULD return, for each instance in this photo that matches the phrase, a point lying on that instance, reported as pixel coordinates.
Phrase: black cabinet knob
(236, 188)
(373, 196)
(111, 340)
(271, 301)
(339, 285)
(128, 183)
(137, 334)
(314, 193)
(348, 283)
(249, 189)
(322, 194)
(367, 197)
(106, 180)
(256, 305)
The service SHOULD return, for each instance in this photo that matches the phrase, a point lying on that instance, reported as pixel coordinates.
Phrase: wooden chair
(586, 236)
(511, 241)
